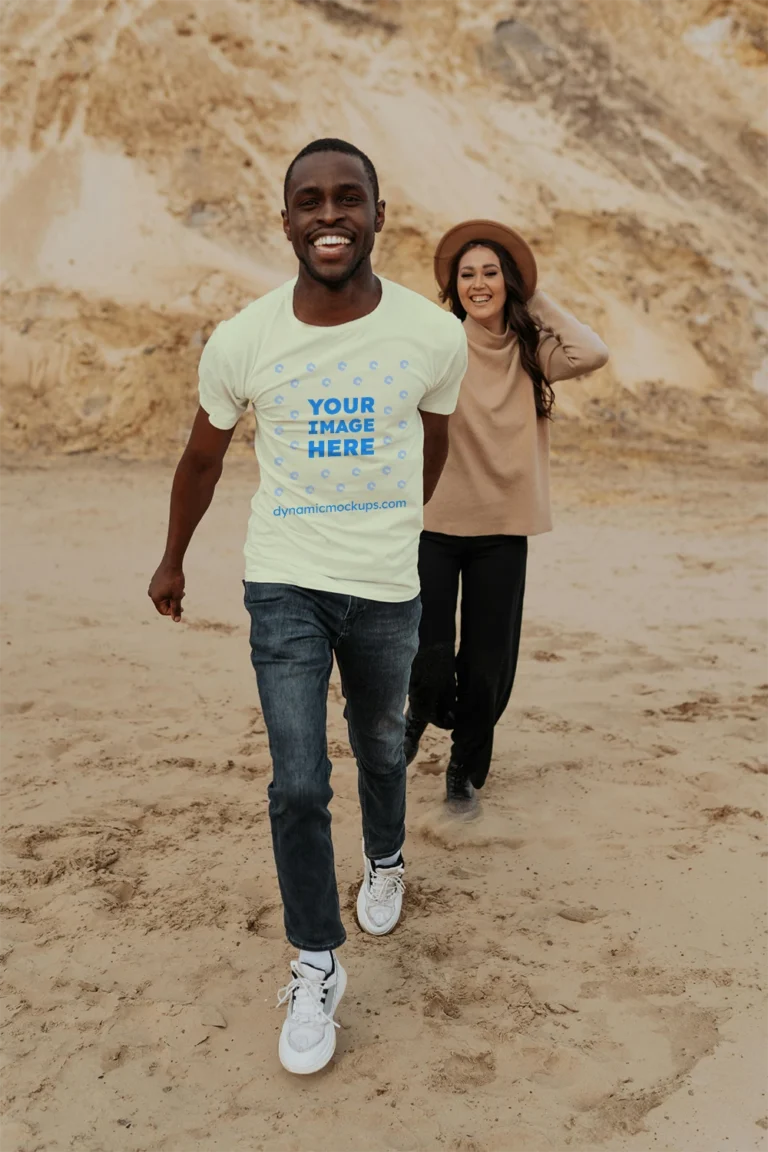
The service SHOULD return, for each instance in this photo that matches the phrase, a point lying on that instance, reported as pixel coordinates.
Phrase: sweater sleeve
(567, 347)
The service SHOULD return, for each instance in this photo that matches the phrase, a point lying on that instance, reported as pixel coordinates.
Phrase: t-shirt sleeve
(220, 393)
(443, 396)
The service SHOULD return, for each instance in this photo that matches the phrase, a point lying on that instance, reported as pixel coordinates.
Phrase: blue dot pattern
(390, 475)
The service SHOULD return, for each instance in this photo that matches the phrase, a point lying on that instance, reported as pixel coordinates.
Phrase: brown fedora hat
(456, 237)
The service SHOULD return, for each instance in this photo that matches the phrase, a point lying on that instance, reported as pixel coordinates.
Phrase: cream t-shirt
(339, 438)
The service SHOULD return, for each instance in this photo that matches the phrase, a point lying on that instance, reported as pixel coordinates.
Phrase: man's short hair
(330, 144)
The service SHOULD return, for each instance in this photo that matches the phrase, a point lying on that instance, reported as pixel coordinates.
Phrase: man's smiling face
(331, 216)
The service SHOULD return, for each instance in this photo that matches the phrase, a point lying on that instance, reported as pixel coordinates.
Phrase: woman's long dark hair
(517, 315)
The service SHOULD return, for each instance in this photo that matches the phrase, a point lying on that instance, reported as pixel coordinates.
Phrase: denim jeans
(295, 633)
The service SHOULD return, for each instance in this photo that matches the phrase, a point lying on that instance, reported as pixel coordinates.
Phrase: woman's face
(481, 288)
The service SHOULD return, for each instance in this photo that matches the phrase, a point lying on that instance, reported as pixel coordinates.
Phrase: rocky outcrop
(145, 146)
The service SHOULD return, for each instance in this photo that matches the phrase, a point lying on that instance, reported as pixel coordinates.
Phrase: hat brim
(456, 237)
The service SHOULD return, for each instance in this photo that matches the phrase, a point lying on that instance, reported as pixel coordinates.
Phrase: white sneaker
(308, 1038)
(380, 899)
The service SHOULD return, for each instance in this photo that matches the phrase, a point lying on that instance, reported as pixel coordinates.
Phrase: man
(352, 379)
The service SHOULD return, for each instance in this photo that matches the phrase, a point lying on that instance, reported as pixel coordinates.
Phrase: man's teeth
(330, 241)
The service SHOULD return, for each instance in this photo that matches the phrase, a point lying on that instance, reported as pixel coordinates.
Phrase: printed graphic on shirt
(340, 452)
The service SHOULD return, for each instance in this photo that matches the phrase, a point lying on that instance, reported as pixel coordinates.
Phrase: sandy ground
(582, 967)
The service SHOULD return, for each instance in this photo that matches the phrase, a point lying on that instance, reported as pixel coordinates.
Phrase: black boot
(414, 730)
(459, 791)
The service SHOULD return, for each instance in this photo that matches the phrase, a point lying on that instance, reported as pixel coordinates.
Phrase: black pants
(468, 691)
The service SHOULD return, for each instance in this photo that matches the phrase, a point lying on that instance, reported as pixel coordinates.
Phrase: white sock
(387, 861)
(321, 960)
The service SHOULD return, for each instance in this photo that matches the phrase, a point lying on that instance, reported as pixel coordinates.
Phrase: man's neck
(318, 304)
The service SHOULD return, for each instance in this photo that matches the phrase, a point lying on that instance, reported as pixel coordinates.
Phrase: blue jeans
(295, 633)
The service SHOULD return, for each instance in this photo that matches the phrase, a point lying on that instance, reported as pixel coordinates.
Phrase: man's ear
(286, 225)
(381, 208)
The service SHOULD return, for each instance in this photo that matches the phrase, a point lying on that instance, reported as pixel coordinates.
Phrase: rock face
(146, 143)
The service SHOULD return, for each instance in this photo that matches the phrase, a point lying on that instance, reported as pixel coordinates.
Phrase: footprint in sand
(731, 812)
(432, 766)
(13, 709)
(265, 920)
(440, 827)
(581, 915)
(704, 708)
(122, 892)
(684, 851)
(758, 767)
(438, 1003)
(464, 1071)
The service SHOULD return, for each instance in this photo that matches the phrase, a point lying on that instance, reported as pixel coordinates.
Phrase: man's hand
(166, 591)
(193, 486)
(435, 450)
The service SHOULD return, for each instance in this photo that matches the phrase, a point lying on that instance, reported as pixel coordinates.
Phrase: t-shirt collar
(349, 324)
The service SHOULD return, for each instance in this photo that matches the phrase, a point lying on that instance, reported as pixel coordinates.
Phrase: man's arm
(196, 478)
(435, 450)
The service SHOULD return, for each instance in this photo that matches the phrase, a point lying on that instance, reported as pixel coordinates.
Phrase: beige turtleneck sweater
(496, 479)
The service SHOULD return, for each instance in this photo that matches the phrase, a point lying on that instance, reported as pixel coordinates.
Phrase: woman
(493, 494)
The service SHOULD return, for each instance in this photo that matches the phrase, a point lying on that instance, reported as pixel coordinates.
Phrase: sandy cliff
(145, 145)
